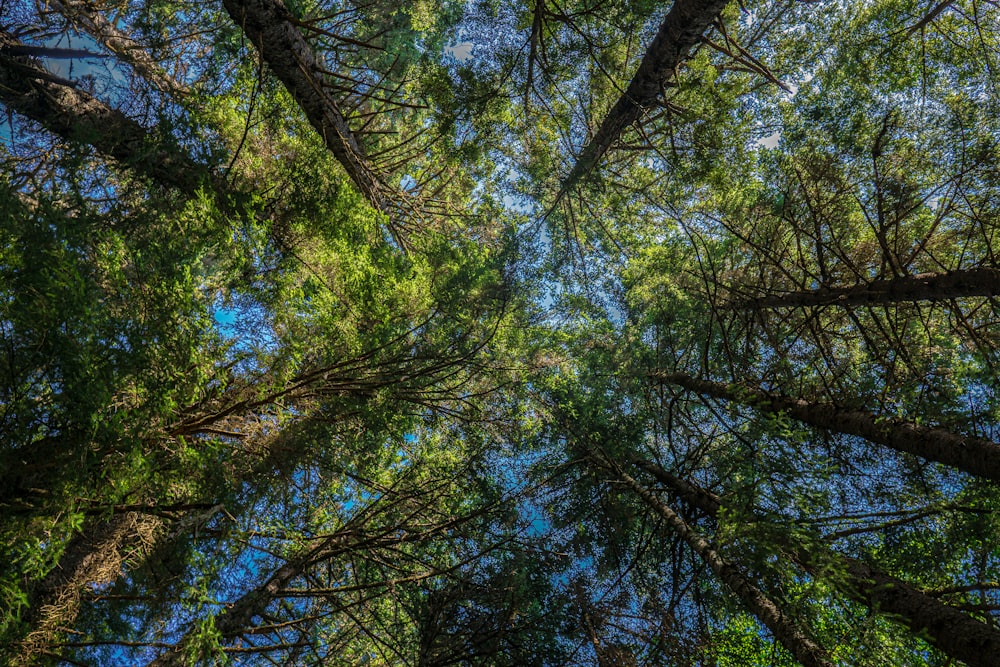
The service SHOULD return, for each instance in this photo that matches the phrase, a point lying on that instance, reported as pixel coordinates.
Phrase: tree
(798, 643)
(922, 287)
(975, 456)
(445, 333)
(678, 34)
(960, 636)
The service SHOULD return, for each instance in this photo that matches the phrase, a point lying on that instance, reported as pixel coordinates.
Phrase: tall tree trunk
(784, 629)
(95, 556)
(85, 17)
(682, 28)
(949, 630)
(60, 107)
(983, 281)
(360, 534)
(976, 456)
(99, 553)
(41, 464)
(271, 29)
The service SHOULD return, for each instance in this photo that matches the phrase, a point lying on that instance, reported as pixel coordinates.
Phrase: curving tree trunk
(976, 456)
(984, 281)
(948, 629)
(680, 31)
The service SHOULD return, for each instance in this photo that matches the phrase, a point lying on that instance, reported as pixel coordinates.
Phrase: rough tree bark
(72, 114)
(270, 28)
(94, 556)
(948, 629)
(983, 281)
(680, 31)
(976, 456)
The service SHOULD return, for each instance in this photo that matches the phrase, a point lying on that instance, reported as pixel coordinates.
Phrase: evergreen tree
(481, 333)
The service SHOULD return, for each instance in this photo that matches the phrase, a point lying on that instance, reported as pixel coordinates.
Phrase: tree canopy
(428, 333)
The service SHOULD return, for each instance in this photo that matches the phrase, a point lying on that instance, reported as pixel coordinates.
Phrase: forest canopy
(569, 332)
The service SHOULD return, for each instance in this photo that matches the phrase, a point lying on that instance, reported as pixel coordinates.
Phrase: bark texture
(270, 27)
(72, 114)
(948, 629)
(983, 281)
(976, 456)
(99, 553)
(93, 557)
(680, 31)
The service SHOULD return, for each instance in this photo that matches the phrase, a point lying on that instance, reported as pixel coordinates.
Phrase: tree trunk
(689, 492)
(75, 115)
(270, 27)
(680, 31)
(976, 456)
(238, 616)
(923, 287)
(40, 465)
(86, 18)
(95, 556)
(783, 628)
(949, 630)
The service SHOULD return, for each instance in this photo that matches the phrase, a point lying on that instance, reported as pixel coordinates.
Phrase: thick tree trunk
(95, 556)
(680, 31)
(782, 627)
(86, 18)
(75, 115)
(99, 553)
(948, 629)
(976, 456)
(270, 27)
(922, 287)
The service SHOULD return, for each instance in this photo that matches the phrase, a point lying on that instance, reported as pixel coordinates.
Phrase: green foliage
(279, 420)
